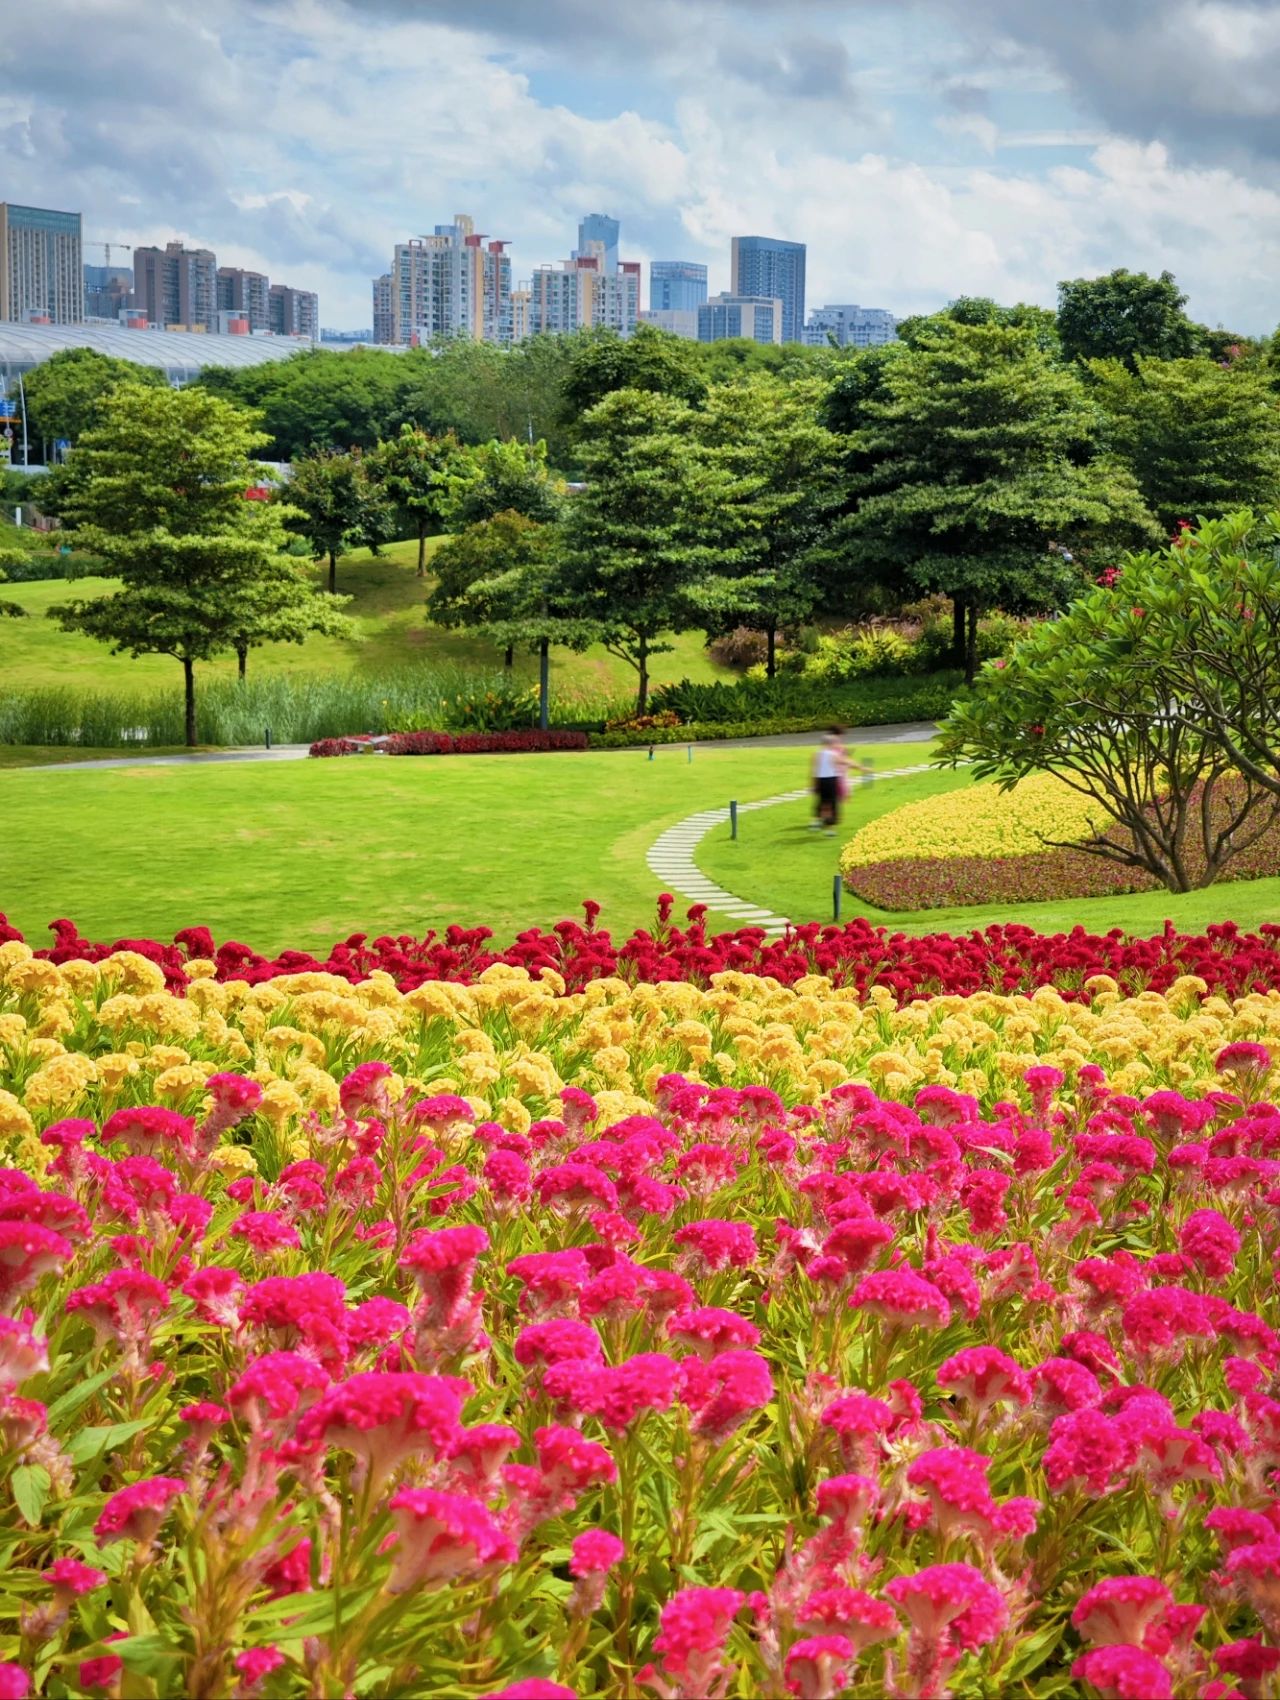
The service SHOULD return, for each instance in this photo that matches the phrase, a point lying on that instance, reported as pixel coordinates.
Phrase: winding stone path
(671, 856)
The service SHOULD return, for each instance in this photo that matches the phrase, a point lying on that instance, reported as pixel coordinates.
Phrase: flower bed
(487, 1341)
(982, 845)
(453, 743)
(856, 956)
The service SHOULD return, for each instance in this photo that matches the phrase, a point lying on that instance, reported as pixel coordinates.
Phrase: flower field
(641, 1338)
(984, 845)
(856, 956)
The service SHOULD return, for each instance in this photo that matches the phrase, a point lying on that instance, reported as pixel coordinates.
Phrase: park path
(913, 732)
(671, 856)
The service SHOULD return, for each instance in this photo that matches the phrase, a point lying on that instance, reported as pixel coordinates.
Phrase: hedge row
(453, 743)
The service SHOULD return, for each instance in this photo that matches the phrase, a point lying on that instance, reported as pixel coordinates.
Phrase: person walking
(831, 768)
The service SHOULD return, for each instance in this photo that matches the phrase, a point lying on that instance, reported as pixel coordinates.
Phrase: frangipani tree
(1113, 698)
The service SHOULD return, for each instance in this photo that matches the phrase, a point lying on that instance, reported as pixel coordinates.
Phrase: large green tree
(159, 499)
(501, 577)
(602, 362)
(504, 477)
(1202, 438)
(1124, 315)
(784, 492)
(982, 310)
(649, 526)
(65, 392)
(419, 473)
(336, 506)
(972, 470)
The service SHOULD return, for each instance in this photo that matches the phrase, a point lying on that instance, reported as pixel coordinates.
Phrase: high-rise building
(675, 321)
(580, 294)
(293, 312)
(676, 286)
(107, 291)
(384, 329)
(758, 318)
(451, 283)
(599, 228)
(245, 292)
(765, 266)
(850, 327)
(41, 265)
(521, 300)
(176, 285)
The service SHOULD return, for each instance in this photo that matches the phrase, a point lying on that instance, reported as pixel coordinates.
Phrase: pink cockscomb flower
(594, 1551)
(1211, 1243)
(71, 1577)
(984, 1376)
(265, 1231)
(15, 1684)
(693, 1628)
(859, 1617)
(384, 1418)
(723, 1392)
(441, 1536)
(255, 1664)
(708, 1330)
(364, 1092)
(1120, 1609)
(903, 1299)
(531, 1688)
(954, 1599)
(23, 1352)
(135, 1513)
(148, 1128)
(818, 1667)
(712, 1245)
(617, 1393)
(1244, 1062)
(28, 1251)
(124, 1307)
(1124, 1673)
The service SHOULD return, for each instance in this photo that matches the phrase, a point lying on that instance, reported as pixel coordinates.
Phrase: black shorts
(828, 793)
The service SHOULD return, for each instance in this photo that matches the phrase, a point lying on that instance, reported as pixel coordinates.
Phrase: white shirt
(827, 765)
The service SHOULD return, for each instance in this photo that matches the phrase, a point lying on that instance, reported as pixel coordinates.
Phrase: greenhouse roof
(181, 354)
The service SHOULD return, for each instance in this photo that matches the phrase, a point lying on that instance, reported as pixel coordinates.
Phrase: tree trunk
(971, 646)
(957, 631)
(771, 658)
(189, 684)
(333, 572)
(422, 546)
(509, 658)
(544, 684)
(642, 665)
(242, 659)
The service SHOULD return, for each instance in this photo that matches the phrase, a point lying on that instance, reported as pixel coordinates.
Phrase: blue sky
(922, 149)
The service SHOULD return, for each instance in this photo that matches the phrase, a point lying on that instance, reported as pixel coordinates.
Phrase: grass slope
(304, 853)
(778, 863)
(387, 605)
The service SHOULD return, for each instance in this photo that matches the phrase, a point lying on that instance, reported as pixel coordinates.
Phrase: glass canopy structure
(180, 355)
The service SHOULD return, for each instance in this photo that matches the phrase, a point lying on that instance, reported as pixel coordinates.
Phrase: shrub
(862, 653)
(338, 747)
(741, 648)
(980, 820)
(482, 743)
(644, 722)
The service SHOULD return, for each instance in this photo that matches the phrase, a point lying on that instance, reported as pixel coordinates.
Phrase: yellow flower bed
(74, 1042)
(981, 820)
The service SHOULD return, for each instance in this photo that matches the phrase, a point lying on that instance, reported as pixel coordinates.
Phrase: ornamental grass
(502, 1339)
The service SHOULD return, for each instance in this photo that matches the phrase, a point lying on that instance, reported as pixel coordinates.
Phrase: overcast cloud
(922, 148)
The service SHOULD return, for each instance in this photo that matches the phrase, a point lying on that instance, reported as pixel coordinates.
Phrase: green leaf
(30, 1485)
(92, 1441)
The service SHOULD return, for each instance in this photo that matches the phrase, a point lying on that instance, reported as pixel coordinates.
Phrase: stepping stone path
(671, 856)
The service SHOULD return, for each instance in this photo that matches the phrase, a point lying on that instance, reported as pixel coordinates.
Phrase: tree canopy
(334, 504)
(159, 499)
(64, 393)
(1124, 315)
(419, 473)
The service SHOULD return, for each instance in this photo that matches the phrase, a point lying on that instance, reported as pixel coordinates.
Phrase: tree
(318, 398)
(504, 477)
(651, 360)
(1202, 439)
(419, 472)
(982, 310)
(1205, 622)
(1123, 315)
(973, 471)
(9, 557)
(65, 392)
(782, 461)
(159, 499)
(648, 525)
(1096, 697)
(501, 577)
(335, 506)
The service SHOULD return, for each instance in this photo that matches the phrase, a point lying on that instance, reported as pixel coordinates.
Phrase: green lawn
(303, 853)
(777, 862)
(393, 633)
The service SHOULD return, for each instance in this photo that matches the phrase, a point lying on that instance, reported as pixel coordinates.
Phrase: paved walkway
(916, 732)
(671, 856)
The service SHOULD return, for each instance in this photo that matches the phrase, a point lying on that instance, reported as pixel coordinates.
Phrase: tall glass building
(599, 227)
(41, 271)
(676, 286)
(765, 266)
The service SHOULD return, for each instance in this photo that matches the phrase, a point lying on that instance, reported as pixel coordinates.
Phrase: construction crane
(108, 246)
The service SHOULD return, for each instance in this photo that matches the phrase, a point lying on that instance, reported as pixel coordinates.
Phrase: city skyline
(921, 150)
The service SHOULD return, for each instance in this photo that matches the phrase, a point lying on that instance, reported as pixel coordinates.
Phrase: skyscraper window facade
(676, 286)
(41, 265)
(452, 283)
(766, 266)
(599, 227)
(850, 327)
(725, 318)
